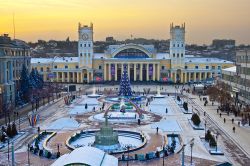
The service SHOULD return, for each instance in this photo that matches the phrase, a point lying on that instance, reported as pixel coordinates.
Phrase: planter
(195, 127)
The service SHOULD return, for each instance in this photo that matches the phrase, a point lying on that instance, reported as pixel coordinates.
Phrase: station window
(213, 67)
(41, 69)
(80, 45)
(207, 67)
(80, 54)
(181, 54)
(177, 45)
(173, 45)
(89, 45)
(173, 54)
(100, 67)
(186, 67)
(77, 67)
(196, 67)
(162, 67)
(55, 67)
(84, 45)
(219, 67)
(177, 55)
(66, 66)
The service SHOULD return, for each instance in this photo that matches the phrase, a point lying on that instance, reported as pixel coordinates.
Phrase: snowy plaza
(146, 128)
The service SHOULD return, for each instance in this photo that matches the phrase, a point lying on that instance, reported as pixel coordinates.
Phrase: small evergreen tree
(13, 129)
(9, 132)
(185, 106)
(196, 119)
(212, 142)
(24, 84)
(178, 98)
(208, 135)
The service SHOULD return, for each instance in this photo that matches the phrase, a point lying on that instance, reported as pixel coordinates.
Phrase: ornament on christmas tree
(125, 88)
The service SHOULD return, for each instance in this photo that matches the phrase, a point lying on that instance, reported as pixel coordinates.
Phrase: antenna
(14, 28)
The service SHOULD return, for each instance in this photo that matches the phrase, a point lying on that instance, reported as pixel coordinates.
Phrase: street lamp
(217, 135)
(163, 157)
(128, 147)
(28, 154)
(191, 146)
(205, 127)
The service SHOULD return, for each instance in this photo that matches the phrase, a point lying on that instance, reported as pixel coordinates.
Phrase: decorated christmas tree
(125, 88)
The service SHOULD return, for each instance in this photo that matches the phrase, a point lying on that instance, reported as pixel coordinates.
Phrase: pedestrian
(204, 113)
(234, 129)
(217, 110)
(239, 123)
(224, 120)
(139, 121)
(157, 128)
(166, 110)
(232, 120)
(220, 115)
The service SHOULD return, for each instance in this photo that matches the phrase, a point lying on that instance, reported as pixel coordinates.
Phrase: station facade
(142, 62)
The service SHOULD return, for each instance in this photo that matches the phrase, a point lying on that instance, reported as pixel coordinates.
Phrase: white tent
(87, 155)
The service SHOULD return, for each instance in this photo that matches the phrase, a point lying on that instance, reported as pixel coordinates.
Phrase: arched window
(131, 53)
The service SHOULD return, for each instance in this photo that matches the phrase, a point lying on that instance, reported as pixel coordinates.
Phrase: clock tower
(177, 46)
(85, 45)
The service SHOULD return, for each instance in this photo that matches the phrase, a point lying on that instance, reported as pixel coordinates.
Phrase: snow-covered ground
(78, 107)
(159, 105)
(167, 126)
(63, 123)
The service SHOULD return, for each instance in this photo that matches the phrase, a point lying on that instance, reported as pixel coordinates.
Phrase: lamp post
(128, 147)
(217, 135)
(28, 154)
(191, 146)
(205, 127)
(183, 156)
(163, 157)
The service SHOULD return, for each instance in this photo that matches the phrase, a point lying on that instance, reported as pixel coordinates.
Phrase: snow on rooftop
(230, 69)
(87, 155)
(55, 60)
(162, 56)
(205, 60)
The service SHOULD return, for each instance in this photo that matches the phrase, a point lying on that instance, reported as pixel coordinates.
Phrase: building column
(87, 76)
(174, 77)
(154, 72)
(134, 71)
(104, 72)
(147, 64)
(141, 64)
(5, 72)
(11, 70)
(158, 72)
(109, 68)
(122, 68)
(205, 75)
(116, 71)
(73, 75)
(62, 76)
(184, 77)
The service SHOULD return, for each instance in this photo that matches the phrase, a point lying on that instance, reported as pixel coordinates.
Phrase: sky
(57, 19)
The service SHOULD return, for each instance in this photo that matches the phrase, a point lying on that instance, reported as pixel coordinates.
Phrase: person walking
(232, 120)
(234, 129)
(224, 120)
(166, 110)
(220, 115)
(157, 129)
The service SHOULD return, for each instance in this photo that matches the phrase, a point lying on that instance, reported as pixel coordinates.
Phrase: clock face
(85, 36)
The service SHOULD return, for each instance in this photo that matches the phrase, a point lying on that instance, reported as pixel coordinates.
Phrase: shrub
(208, 135)
(178, 98)
(49, 155)
(9, 132)
(40, 152)
(13, 129)
(196, 119)
(212, 142)
(185, 106)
